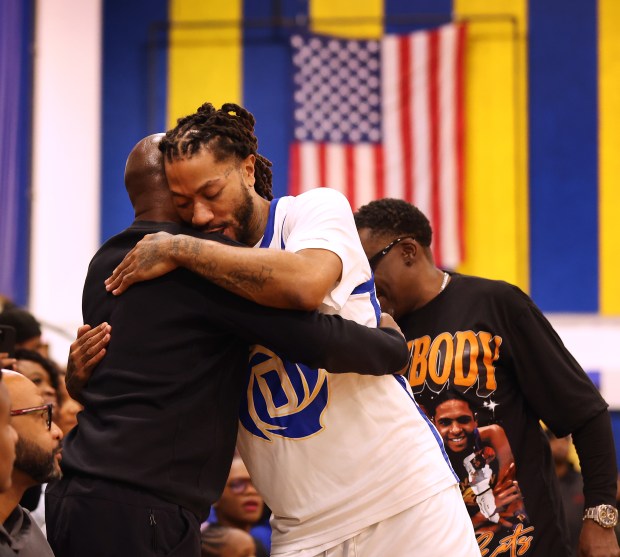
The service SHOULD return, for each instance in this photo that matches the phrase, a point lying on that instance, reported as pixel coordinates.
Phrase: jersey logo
(282, 399)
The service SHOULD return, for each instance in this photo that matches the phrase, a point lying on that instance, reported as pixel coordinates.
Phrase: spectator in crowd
(41, 371)
(154, 443)
(37, 461)
(8, 438)
(488, 341)
(44, 374)
(68, 413)
(240, 505)
(27, 330)
(226, 541)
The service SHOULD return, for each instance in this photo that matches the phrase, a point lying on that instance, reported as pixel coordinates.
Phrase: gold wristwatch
(604, 515)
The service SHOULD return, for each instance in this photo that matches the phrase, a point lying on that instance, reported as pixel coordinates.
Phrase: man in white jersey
(348, 463)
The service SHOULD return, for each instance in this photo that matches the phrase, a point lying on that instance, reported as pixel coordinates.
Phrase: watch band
(604, 515)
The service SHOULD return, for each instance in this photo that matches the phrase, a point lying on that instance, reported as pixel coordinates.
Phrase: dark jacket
(19, 535)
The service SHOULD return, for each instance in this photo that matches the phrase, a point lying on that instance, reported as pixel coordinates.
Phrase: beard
(41, 466)
(243, 215)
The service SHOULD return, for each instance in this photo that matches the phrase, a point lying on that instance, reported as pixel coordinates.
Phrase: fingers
(5, 361)
(83, 330)
(388, 321)
(91, 345)
(85, 353)
(117, 283)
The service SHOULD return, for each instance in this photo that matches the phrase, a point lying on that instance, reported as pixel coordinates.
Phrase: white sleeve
(322, 219)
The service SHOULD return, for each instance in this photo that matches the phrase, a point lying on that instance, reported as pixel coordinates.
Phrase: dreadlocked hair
(395, 217)
(226, 132)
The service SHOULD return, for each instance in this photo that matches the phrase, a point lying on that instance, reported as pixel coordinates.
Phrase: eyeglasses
(377, 257)
(43, 408)
(239, 486)
(462, 420)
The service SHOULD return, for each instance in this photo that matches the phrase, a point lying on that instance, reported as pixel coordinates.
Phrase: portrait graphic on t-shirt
(453, 380)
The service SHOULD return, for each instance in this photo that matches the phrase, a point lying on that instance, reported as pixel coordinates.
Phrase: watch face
(608, 516)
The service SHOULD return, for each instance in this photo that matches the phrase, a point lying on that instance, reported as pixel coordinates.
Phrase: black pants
(89, 517)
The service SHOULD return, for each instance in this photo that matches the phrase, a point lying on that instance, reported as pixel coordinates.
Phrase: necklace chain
(446, 278)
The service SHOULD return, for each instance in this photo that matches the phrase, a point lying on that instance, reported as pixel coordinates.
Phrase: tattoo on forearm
(251, 281)
(234, 280)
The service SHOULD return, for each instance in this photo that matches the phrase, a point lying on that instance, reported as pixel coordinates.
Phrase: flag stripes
(417, 151)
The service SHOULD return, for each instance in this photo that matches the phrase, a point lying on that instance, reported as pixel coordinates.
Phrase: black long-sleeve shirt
(161, 409)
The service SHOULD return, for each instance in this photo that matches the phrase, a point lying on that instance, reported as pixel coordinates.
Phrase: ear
(247, 170)
(409, 251)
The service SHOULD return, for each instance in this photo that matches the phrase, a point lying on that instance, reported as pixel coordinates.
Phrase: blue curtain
(15, 138)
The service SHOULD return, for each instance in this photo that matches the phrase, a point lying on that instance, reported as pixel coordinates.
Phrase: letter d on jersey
(283, 399)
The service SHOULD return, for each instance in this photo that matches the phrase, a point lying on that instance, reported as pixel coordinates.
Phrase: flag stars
(336, 92)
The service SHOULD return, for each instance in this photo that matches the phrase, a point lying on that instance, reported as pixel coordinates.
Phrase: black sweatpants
(89, 517)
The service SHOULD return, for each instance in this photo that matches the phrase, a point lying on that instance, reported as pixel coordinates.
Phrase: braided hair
(226, 132)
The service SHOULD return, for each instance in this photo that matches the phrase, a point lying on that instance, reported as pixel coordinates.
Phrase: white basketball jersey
(333, 453)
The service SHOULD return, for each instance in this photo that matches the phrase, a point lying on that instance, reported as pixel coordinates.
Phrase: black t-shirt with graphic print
(486, 367)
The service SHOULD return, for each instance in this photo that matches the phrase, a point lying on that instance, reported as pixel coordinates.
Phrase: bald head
(146, 183)
(22, 391)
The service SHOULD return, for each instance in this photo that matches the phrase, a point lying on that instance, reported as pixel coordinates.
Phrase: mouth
(215, 227)
(250, 506)
(457, 442)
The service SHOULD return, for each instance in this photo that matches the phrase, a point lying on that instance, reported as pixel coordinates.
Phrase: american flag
(384, 118)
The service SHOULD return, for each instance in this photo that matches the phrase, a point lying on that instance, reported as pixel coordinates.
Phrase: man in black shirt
(487, 341)
(154, 443)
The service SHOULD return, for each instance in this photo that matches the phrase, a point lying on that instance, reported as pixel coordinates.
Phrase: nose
(56, 432)
(202, 215)
(455, 427)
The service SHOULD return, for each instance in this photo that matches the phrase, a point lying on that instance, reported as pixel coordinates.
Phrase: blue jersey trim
(368, 287)
(269, 229)
(434, 431)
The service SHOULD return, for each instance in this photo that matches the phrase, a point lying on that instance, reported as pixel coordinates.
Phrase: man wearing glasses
(487, 341)
(37, 461)
(8, 439)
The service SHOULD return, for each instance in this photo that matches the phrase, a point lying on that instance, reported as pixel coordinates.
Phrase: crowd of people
(260, 376)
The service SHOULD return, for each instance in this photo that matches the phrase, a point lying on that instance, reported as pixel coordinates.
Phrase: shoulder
(498, 291)
(322, 196)
(492, 431)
